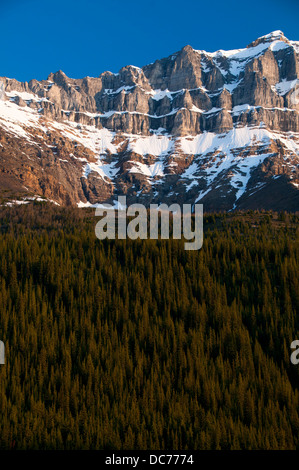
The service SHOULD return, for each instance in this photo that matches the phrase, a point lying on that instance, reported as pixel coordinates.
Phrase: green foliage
(143, 345)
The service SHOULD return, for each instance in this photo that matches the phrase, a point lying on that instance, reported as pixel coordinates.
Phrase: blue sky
(88, 37)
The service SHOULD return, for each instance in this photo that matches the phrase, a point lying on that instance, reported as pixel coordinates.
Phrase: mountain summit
(219, 128)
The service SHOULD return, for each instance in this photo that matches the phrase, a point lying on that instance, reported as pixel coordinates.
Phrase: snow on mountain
(219, 127)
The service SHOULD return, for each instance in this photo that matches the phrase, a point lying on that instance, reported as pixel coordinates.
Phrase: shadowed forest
(143, 345)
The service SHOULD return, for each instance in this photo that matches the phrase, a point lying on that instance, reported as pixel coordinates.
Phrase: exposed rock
(221, 128)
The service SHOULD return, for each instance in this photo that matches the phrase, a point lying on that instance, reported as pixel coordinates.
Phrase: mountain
(218, 128)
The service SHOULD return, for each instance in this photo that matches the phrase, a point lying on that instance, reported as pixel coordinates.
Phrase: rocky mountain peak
(274, 36)
(58, 77)
(221, 128)
(187, 48)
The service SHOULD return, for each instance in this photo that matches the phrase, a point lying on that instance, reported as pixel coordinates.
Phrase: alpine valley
(218, 128)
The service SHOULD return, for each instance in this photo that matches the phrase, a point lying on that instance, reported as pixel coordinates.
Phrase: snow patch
(156, 169)
(156, 145)
(285, 86)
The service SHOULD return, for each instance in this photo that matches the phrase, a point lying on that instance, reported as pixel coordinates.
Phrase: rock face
(219, 128)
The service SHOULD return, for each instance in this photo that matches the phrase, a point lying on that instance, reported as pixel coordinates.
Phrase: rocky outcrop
(193, 126)
(260, 75)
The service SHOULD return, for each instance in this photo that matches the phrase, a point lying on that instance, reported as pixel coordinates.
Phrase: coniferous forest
(142, 345)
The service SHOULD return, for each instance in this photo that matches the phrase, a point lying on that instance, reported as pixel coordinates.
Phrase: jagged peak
(187, 48)
(131, 68)
(273, 36)
(57, 76)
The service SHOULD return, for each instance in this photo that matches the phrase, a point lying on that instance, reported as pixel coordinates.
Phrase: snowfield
(232, 155)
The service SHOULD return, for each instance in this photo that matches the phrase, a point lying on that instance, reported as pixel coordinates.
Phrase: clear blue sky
(88, 37)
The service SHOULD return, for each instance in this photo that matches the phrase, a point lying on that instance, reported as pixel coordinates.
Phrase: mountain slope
(218, 128)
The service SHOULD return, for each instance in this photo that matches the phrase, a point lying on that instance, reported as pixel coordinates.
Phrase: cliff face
(219, 128)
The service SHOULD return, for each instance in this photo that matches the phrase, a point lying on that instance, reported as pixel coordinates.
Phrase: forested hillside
(141, 344)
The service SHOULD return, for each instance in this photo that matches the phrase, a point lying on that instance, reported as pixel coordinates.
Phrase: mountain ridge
(216, 128)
